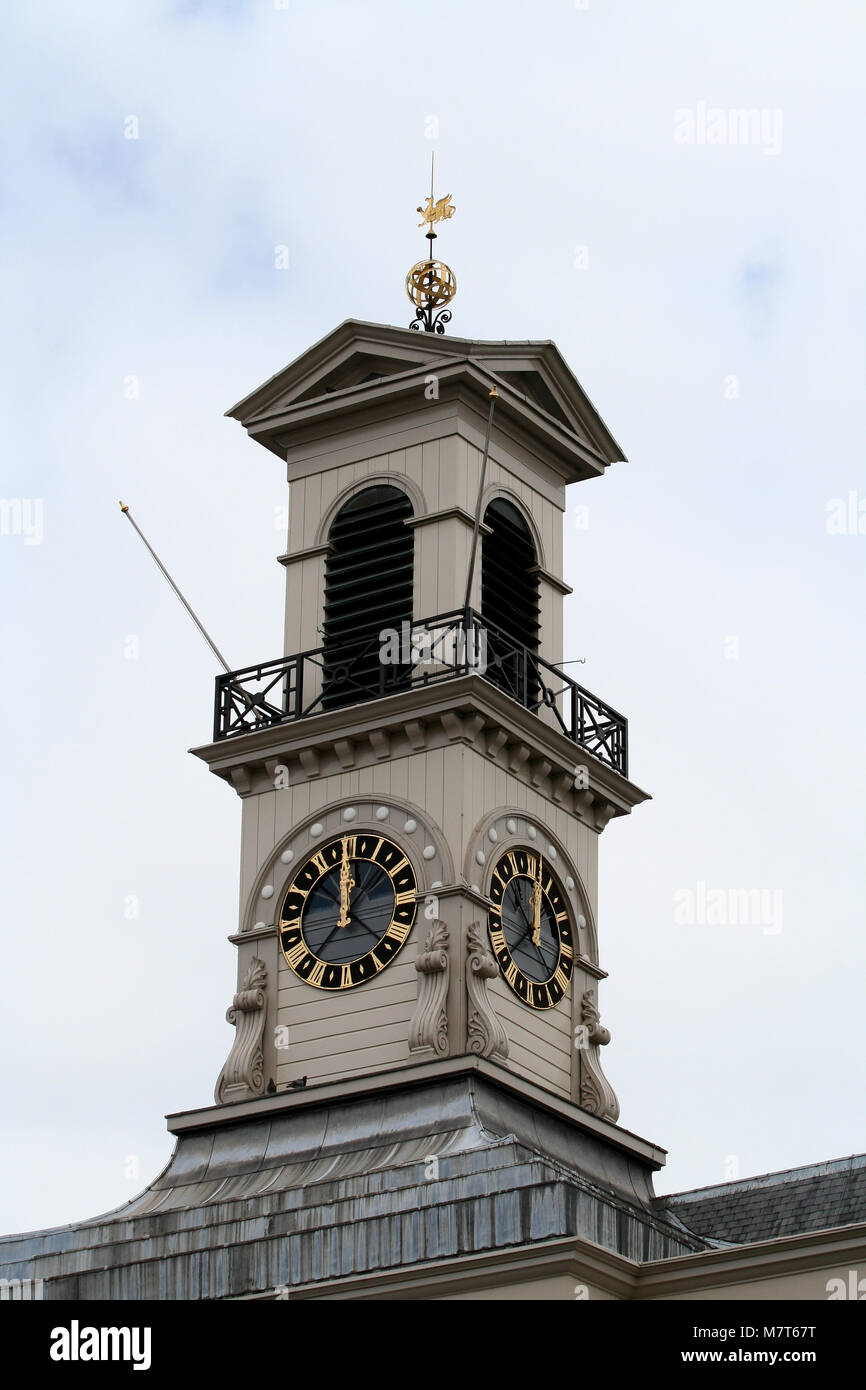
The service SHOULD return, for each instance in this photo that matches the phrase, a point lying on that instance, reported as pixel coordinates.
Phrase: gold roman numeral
(296, 954)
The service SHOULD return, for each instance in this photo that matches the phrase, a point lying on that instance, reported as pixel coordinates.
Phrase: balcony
(422, 653)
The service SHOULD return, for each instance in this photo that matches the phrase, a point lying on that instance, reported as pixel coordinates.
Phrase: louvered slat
(509, 598)
(368, 586)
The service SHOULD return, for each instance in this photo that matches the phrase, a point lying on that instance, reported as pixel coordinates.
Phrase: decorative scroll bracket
(485, 1034)
(429, 1026)
(242, 1076)
(596, 1093)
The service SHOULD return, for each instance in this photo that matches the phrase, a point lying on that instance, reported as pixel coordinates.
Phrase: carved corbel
(603, 812)
(309, 759)
(540, 771)
(241, 780)
(495, 742)
(429, 1025)
(561, 783)
(242, 1076)
(345, 751)
(596, 1093)
(416, 734)
(380, 743)
(452, 724)
(485, 1034)
(519, 757)
(472, 726)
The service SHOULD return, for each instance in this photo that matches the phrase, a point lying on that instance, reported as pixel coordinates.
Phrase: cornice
(309, 553)
(465, 709)
(281, 394)
(365, 405)
(447, 514)
(767, 1259)
(640, 1150)
(553, 579)
(569, 1257)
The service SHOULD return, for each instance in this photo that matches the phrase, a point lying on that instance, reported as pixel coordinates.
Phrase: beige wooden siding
(351, 1031)
(540, 1041)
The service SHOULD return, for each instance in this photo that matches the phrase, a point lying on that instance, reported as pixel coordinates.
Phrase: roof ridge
(776, 1178)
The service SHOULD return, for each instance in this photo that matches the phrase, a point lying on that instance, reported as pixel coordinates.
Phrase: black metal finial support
(430, 321)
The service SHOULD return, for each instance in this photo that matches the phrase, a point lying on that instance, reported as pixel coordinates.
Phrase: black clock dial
(530, 929)
(347, 911)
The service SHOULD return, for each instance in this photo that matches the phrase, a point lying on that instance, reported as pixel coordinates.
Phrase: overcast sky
(708, 296)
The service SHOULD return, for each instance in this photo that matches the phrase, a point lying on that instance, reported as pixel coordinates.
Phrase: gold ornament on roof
(439, 211)
(432, 284)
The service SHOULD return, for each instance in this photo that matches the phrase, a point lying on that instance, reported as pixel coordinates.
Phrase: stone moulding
(429, 1025)
(242, 1076)
(470, 710)
(596, 1093)
(485, 1034)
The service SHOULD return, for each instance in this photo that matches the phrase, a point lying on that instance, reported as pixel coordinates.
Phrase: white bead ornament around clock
(569, 883)
(429, 851)
(316, 829)
(410, 826)
(493, 833)
(531, 831)
(268, 890)
(350, 813)
(381, 813)
(480, 856)
(287, 856)
(511, 826)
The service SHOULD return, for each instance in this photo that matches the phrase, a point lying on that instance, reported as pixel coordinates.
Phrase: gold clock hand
(535, 901)
(347, 883)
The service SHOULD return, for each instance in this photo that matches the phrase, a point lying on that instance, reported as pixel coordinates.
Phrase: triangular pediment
(361, 364)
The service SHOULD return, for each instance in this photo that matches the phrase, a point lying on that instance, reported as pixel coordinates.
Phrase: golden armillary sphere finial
(432, 284)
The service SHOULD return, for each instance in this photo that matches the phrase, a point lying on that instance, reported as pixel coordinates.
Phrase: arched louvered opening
(509, 602)
(368, 587)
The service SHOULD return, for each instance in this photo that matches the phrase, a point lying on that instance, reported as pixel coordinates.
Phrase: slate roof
(820, 1197)
(340, 1189)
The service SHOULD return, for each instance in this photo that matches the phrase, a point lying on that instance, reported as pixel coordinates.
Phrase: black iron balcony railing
(418, 654)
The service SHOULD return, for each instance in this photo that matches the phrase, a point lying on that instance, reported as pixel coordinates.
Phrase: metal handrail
(430, 650)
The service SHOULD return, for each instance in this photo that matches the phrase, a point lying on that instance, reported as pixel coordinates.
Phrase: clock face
(530, 929)
(347, 911)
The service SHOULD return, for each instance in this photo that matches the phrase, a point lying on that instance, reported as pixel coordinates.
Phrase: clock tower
(412, 1102)
(423, 787)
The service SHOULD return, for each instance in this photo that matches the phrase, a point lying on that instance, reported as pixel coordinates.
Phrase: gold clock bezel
(522, 862)
(362, 845)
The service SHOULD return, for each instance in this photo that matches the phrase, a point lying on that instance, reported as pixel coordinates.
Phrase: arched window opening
(368, 588)
(509, 602)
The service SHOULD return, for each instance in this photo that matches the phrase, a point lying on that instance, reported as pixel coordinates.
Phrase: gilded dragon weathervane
(432, 284)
